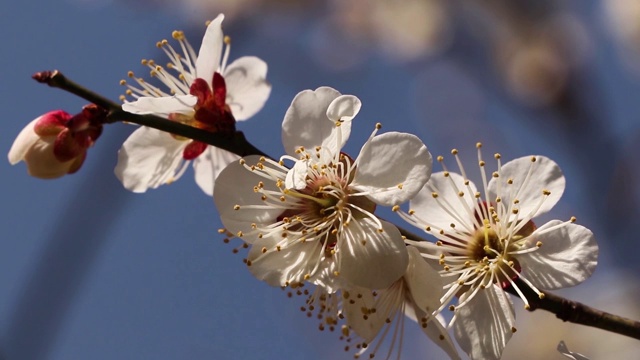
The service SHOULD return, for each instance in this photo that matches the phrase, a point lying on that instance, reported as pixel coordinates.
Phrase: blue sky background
(91, 271)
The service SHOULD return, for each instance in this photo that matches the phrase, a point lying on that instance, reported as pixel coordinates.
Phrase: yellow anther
(440, 158)
(434, 194)
(236, 207)
(573, 219)
(539, 244)
(481, 163)
(178, 35)
(227, 39)
(395, 208)
(478, 145)
(496, 156)
(454, 151)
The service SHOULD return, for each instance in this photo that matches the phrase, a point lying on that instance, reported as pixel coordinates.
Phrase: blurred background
(91, 271)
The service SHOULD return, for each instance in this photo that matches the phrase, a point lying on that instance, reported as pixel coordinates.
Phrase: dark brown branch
(236, 143)
(578, 313)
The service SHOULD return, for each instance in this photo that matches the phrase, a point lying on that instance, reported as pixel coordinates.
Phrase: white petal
(484, 325)
(182, 104)
(545, 175)
(343, 108)
(399, 164)
(432, 210)
(423, 281)
(149, 158)
(25, 140)
(297, 176)
(234, 186)
(208, 166)
(367, 327)
(42, 163)
(564, 350)
(567, 257)
(305, 123)
(437, 332)
(288, 265)
(370, 258)
(210, 52)
(325, 277)
(247, 86)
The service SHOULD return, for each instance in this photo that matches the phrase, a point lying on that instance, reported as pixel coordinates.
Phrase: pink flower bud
(56, 143)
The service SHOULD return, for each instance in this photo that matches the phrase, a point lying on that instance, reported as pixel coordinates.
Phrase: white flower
(322, 208)
(487, 239)
(202, 92)
(416, 294)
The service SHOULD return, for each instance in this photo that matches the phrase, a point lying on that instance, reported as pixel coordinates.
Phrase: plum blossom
(321, 211)
(202, 91)
(487, 239)
(56, 143)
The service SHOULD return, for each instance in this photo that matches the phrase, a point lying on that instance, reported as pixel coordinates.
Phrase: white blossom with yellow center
(322, 209)
(486, 240)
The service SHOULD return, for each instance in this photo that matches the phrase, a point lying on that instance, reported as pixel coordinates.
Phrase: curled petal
(530, 179)
(424, 282)
(305, 123)
(343, 108)
(42, 163)
(182, 104)
(208, 60)
(247, 86)
(297, 176)
(436, 211)
(485, 324)
(370, 256)
(149, 158)
(23, 142)
(567, 256)
(238, 205)
(392, 168)
(209, 165)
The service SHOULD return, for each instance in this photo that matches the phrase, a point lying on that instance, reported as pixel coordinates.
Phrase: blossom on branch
(56, 143)
(201, 91)
(322, 209)
(487, 239)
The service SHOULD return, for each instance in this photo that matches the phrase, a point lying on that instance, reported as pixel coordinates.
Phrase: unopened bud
(55, 144)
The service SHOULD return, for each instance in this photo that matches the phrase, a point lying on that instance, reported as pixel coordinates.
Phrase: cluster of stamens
(178, 74)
